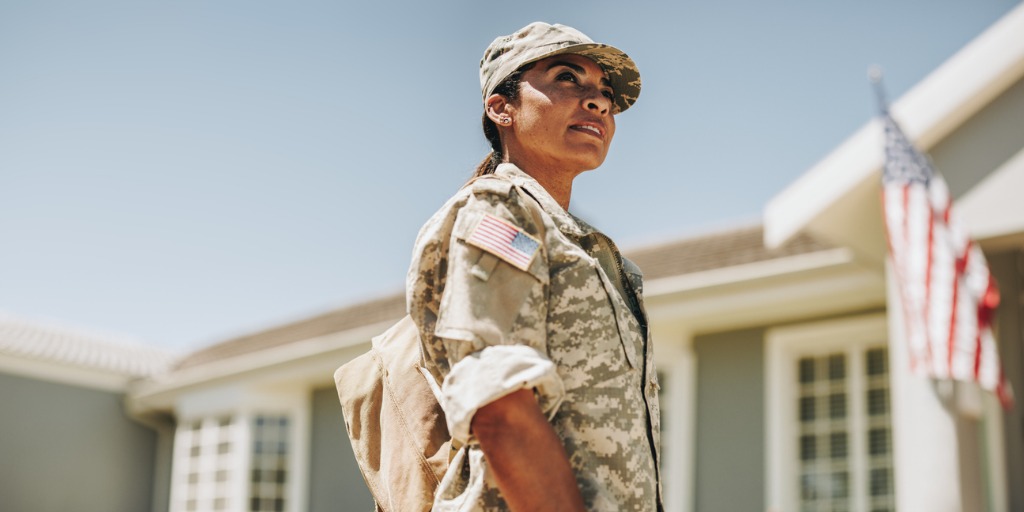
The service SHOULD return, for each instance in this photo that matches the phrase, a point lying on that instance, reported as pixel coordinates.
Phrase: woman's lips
(592, 129)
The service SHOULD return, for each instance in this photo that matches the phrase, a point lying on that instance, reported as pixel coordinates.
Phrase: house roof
(40, 342)
(343, 319)
(718, 250)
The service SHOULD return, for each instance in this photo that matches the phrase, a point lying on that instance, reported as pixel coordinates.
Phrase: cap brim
(622, 71)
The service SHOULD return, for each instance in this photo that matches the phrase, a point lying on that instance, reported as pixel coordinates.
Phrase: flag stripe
(947, 292)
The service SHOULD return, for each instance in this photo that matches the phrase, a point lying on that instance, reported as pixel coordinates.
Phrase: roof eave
(311, 361)
(833, 198)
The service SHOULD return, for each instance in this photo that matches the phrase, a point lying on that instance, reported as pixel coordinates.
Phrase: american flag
(505, 241)
(949, 297)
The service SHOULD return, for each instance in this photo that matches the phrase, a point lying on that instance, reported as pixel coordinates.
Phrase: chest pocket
(621, 279)
(587, 319)
(626, 322)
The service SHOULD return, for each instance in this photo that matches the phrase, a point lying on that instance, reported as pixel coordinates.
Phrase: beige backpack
(394, 420)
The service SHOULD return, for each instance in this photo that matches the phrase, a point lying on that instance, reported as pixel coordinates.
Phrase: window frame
(243, 406)
(784, 346)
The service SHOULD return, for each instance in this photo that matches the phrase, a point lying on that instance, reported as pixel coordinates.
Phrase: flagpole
(875, 77)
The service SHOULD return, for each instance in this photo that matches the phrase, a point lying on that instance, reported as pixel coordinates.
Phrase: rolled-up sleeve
(492, 314)
(494, 372)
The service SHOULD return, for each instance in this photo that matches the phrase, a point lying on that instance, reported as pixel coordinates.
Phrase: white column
(676, 358)
(925, 447)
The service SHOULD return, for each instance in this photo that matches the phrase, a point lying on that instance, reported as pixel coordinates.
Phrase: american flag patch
(504, 241)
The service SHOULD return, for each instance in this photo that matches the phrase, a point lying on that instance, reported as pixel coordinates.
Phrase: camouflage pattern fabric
(540, 40)
(577, 304)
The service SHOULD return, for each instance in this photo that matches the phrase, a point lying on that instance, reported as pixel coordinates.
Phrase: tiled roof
(37, 340)
(716, 250)
(391, 307)
(685, 256)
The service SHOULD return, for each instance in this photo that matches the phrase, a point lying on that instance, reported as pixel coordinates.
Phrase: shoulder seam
(492, 185)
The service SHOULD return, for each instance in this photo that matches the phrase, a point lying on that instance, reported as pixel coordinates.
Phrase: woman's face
(562, 120)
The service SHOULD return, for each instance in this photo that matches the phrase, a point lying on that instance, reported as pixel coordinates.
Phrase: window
(234, 463)
(203, 465)
(267, 486)
(829, 426)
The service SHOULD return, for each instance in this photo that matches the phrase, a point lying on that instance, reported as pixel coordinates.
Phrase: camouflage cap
(540, 40)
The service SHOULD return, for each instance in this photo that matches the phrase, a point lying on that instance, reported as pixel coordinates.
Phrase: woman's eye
(567, 76)
(608, 94)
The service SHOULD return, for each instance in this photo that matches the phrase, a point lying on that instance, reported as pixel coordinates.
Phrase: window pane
(878, 401)
(837, 445)
(807, 408)
(808, 448)
(879, 482)
(837, 367)
(837, 406)
(808, 489)
(840, 484)
(877, 363)
(878, 441)
(806, 370)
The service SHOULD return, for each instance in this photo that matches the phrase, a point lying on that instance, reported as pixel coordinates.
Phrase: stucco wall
(730, 422)
(335, 483)
(67, 448)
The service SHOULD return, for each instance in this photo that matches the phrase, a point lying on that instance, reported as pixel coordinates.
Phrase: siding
(1007, 268)
(67, 448)
(983, 143)
(730, 422)
(335, 482)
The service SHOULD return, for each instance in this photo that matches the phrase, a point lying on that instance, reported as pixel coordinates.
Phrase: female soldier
(529, 317)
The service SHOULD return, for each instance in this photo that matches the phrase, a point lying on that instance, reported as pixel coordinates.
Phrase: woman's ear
(497, 109)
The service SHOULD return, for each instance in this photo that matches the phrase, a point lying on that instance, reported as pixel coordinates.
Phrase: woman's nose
(597, 102)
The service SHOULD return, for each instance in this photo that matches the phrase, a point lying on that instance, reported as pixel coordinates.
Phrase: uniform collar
(565, 221)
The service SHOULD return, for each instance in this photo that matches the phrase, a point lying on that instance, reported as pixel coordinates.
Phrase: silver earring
(505, 120)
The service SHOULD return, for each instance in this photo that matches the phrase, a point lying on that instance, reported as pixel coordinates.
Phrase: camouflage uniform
(571, 326)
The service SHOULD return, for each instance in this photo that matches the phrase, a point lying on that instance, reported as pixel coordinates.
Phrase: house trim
(102, 380)
(676, 358)
(784, 290)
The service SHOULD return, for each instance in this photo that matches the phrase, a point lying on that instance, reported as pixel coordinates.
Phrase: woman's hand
(525, 455)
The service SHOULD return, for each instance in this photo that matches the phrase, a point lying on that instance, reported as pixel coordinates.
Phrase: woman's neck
(557, 183)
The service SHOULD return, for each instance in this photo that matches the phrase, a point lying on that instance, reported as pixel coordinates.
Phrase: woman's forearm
(526, 457)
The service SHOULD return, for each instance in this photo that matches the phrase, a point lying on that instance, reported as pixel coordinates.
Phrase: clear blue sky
(187, 171)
